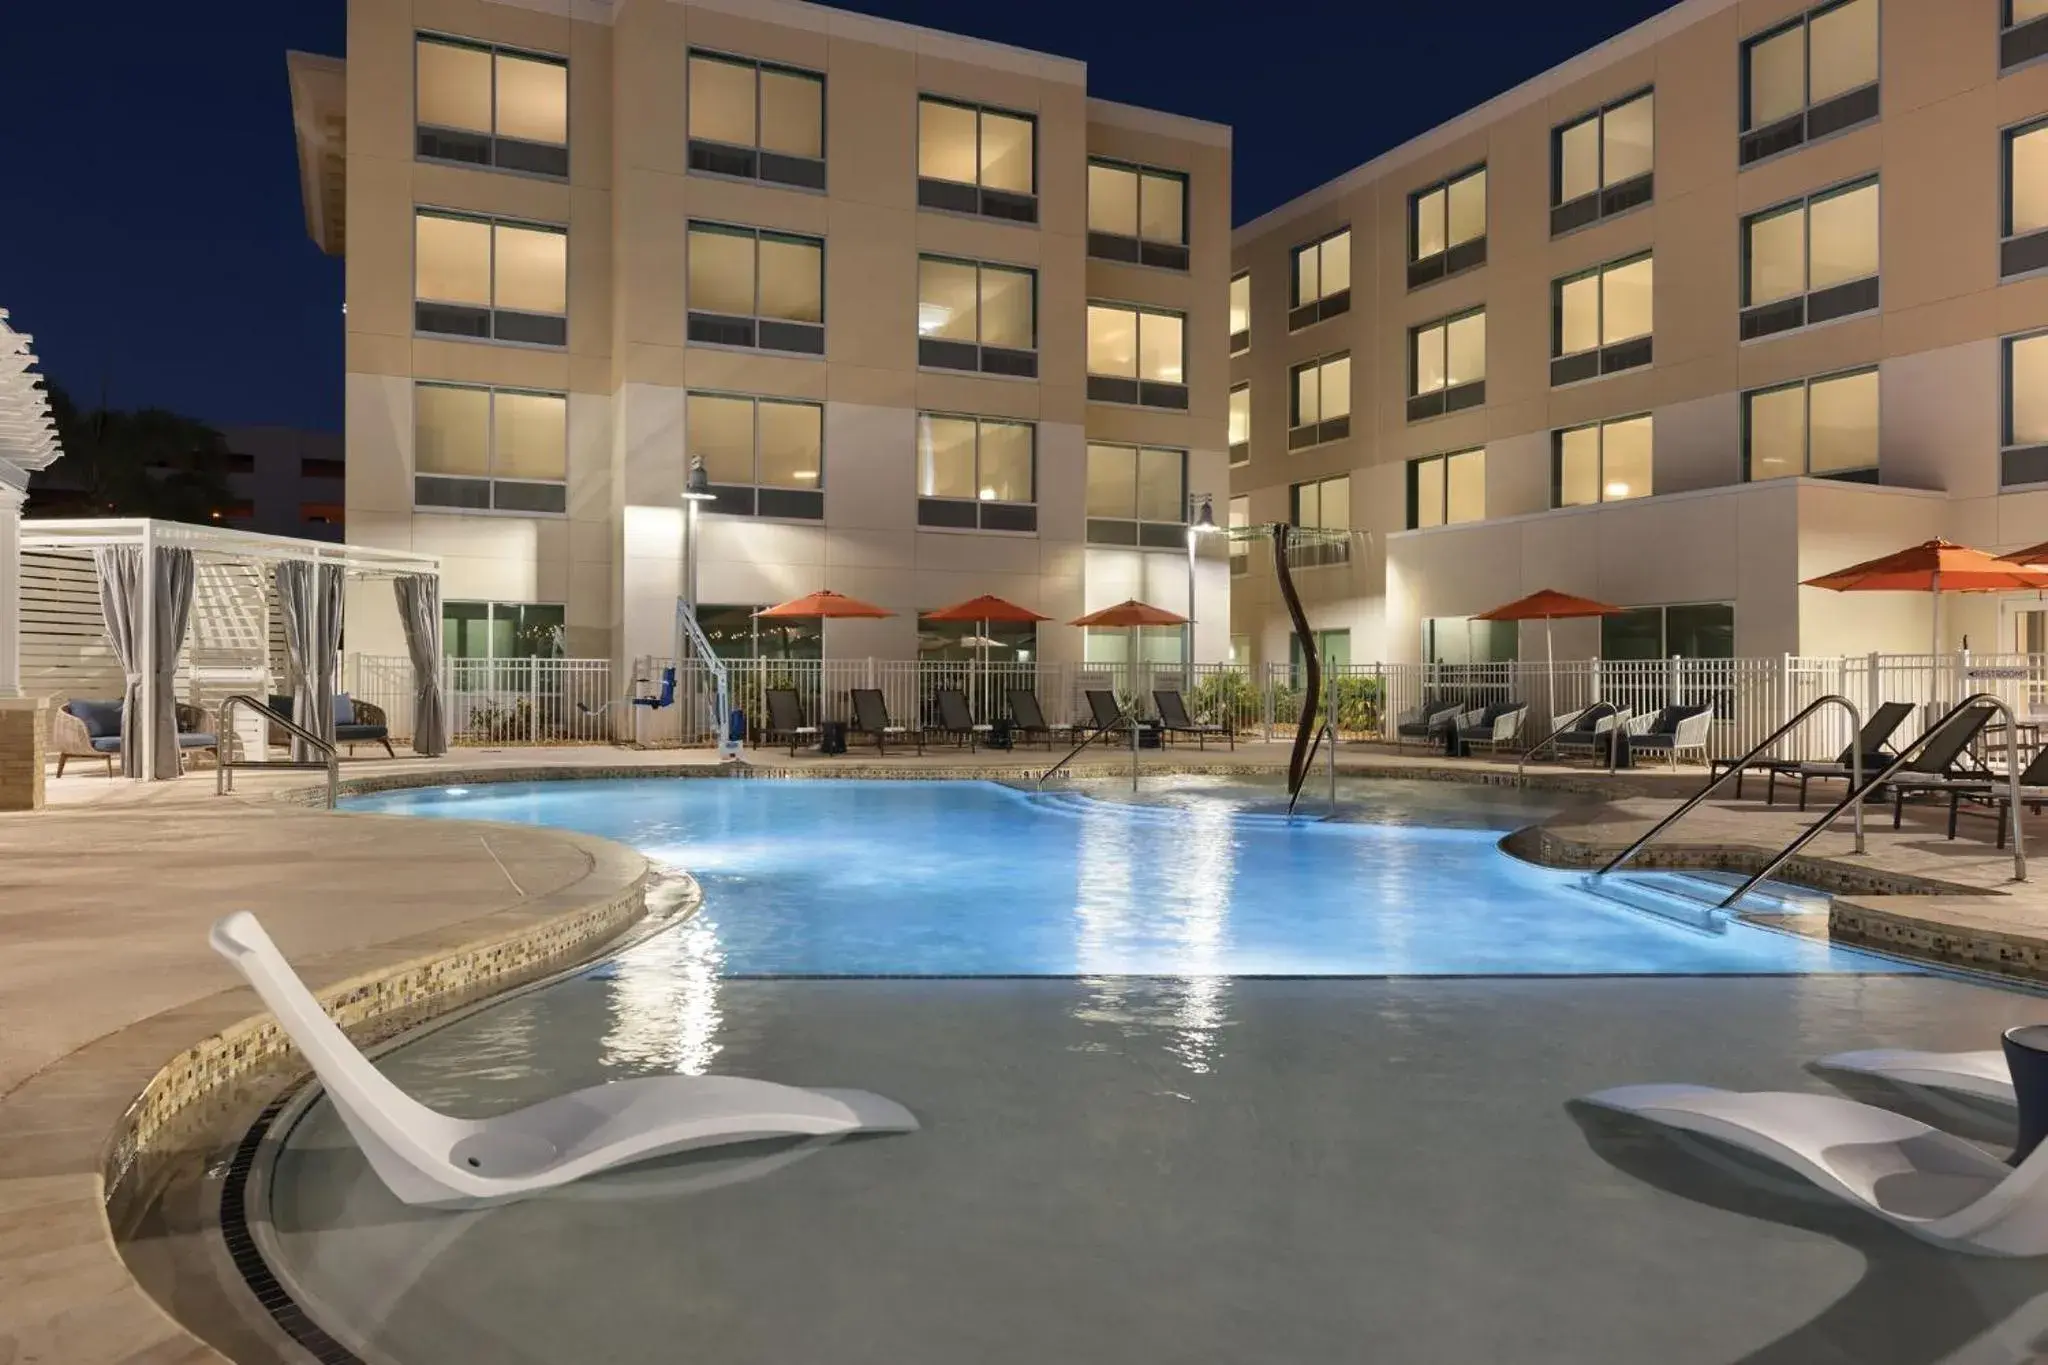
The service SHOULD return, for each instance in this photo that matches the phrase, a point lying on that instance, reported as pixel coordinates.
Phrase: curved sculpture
(1980, 1074)
(1312, 698)
(431, 1159)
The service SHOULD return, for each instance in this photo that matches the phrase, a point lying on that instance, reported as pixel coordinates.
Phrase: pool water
(901, 878)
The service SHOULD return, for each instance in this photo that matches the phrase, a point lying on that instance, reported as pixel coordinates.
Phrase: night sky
(152, 241)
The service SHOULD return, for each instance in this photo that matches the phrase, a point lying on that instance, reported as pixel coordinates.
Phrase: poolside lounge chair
(1990, 791)
(786, 719)
(92, 729)
(1587, 736)
(1981, 1074)
(871, 717)
(1028, 718)
(1943, 760)
(1426, 721)
(432, 1159)
(1934, 1185)
(956, 719)
(1104, 713)
(1674, 732)
(1495, 728)
(1174, 720)
(1874, 739)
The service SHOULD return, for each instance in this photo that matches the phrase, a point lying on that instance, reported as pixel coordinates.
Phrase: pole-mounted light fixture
(1205, 517)
(698, 487)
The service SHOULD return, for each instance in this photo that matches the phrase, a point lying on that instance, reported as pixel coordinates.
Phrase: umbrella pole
(1550, 672)
(1934, 650)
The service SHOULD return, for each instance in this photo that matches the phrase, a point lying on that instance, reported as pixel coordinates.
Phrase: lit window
(1321, 505)
(500, 630)
(976, 160)
(1814, 75)
(490, 450)
(2024, 459)
(764, 456)
(1137, 355)
(976, 473)
(1447, 227)
(1603, 164)
(1319, 402)
(1241, 424)
(1447, 489)
(1810, 261)
(489, 279)
(1137, 214)
(2025, 230)
(1240, 314)
(1321, 275)
(1600, 321)
(1240, 521)
(752, 287)
(1447, 365)
(1137, 495)
(1822, 427)
(757, 121)
(1601, 462)
(975, 316)
(491, 106)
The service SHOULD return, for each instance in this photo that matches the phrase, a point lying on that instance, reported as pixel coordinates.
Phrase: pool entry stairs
(1692, 900)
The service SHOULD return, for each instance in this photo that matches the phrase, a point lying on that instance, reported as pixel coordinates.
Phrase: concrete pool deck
(106, 981)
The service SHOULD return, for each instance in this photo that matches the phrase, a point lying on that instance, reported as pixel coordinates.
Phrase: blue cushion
(102, 718)
(107, 744)
(344, 709)
(188, 739)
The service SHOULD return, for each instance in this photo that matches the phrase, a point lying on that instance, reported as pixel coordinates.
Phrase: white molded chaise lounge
(432, 1159)
(1983, 1074)
(1932, 1184)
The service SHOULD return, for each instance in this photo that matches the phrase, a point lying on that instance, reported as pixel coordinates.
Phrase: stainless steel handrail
(223, 773)
(1128, 719)
(1856, 794)
(1742, 764)
(1522, 763)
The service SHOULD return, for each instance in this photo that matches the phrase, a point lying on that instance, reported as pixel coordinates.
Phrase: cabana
(157, 612)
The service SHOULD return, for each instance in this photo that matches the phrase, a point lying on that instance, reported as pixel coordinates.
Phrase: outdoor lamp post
(1201, 522)
(696, 489)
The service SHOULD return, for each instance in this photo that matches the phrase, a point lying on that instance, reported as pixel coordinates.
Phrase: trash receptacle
(999, 733)
(832, 737)
(1148, 736)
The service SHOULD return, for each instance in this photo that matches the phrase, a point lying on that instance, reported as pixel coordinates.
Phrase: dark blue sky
(150, 230)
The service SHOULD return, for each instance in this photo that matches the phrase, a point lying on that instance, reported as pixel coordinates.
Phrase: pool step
(1693, 899)
(1646, 896)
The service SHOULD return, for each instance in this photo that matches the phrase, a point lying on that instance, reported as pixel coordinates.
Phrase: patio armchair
(1497, 727)
(1174, 720)
(1674, 732)
(355, 722)
(1027, 717)
(871, 717)
(786, 719)
(956, 718)
(92, 729)
(1587, 736)
(1426, 721)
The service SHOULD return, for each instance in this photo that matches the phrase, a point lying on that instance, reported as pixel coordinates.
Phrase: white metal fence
(579, 701)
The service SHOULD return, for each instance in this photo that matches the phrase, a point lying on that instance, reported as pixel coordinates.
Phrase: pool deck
(106, 981)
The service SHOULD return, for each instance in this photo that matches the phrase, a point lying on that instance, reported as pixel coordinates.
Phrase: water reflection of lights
(664, 1002)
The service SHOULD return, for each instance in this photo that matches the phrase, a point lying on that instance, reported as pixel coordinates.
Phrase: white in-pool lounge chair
(1932, 1184)
(432, 1159)
(1982, 1074)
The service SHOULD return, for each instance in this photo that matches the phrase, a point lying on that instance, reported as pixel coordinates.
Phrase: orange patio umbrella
(983, 610)
(823, 604)
(1936, 567)
(1131, 614)
(1547, 605)
(2032, 555)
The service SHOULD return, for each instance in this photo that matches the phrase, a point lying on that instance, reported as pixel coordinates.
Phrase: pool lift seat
(435, 1160)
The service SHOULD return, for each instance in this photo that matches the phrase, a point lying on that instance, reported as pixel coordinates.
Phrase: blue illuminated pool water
(975, 879)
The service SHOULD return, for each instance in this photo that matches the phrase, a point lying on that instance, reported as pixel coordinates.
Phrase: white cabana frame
(209, 544)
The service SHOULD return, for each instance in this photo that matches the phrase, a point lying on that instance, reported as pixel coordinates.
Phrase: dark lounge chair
(1874, 739)
(1943, 761)
(786, 719)
(1174, 720)
(1027, 718)
(1989, 791)
(1104, 713)
(871, 717)
(957, 719)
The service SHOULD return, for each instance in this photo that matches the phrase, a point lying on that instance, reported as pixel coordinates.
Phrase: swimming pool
(903, 878)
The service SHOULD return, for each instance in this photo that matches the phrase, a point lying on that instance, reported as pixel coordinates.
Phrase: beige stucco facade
(612, 556)
(1706, 535)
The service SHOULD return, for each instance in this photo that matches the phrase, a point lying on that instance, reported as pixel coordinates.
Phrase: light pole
(696, 491)
(1201, 522)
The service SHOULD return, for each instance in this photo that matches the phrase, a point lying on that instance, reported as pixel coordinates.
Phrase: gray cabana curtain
(120, 575)
(419, 607)
(309, 598)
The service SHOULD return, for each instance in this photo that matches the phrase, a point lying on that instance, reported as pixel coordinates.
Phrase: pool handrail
(225, 764)
(1128, 718)
(1550, 740)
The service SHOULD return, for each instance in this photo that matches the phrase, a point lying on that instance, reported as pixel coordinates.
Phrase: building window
(739, 632)
(501, 630)
(1462, 640)
(1447, 227)
(490, 279)
(1137, 214)
(1600, 321)
(2024, 231)
(976, 473)
(1447, 365)
(1812, 260)
(490, 450)
(752, 287)
(313, 468)
(957, 642)
(1240, 314)
(1321, 280)
(491, 106)
(975, 316)
(1137, 495)
(241, 464)
(1137, 355)
(1604, 163)
(1241, 424)
(765, 457)
(757, 121)
(972, 159)
(2023, 35)
(321, 513)
(1319, 402)
(1699, 630)
(1601, 462)
(1240, 522)
(1112, 644)
(1811, 76)
(2023, 458)
(1323, 505)
(1826, 428)
(1445, 490)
